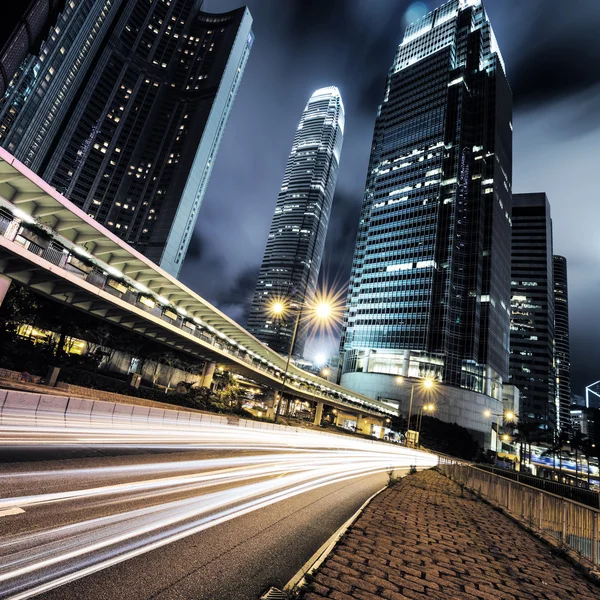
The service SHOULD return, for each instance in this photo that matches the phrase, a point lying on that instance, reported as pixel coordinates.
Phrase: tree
(20, 306)
(579, 444)
(560, 440)
(230, 391)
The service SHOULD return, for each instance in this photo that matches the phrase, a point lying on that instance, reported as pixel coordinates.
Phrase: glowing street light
(509, 415)
(427, 384)
(277, 308)
(427, 408)
(321, 311)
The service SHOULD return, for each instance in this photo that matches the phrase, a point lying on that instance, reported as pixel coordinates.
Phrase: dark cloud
(557, 59)
(236, 299)
(551, 50)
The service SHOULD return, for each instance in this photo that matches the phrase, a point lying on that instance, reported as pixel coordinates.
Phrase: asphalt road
(210, 513)
(237, 560)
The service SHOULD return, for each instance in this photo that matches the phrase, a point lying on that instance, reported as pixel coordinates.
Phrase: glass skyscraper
(23, 28)
(123, 111)
(562, 346)
(292, 259)
(429, 291)
(532, 323)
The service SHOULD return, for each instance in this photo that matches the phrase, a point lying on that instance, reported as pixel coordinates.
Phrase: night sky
(552, 53)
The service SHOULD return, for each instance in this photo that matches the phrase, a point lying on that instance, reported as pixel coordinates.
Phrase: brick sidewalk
(421, 539)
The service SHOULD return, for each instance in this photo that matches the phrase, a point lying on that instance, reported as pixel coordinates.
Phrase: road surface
(214, 511)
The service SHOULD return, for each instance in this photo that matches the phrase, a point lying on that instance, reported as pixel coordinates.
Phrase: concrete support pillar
(358, 420)
(207, 374)
(52, 376)
(318, 413)
(382, 430)
(405, 363)
(134, 380)
(4, 285)
(269, 400)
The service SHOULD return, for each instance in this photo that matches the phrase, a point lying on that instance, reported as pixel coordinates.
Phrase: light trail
(78, 521)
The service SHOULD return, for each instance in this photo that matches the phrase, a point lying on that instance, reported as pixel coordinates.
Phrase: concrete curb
(315, 561)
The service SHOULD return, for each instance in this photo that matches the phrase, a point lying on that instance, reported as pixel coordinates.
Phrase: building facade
(532, 305)
(292, 259)
(23, 28)
(562, 347)
(123, 111)
(429, 287)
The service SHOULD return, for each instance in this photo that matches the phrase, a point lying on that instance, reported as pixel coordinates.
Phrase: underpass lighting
(114, 272)
(19, 214)
(162, 300)
(140, 288)
(181, 311)
(197, 321)
(81, 251)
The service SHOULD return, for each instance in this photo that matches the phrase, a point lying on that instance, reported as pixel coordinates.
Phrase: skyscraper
(292, 259)
(22, 30)
(562, 348)
(532, 306)
(123, 112)
(429, 287)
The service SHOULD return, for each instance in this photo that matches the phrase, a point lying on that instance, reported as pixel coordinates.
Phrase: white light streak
(173, 499)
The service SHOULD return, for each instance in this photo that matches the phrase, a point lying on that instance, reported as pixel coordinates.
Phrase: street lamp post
(429, 408)
(427, 384)
(509, 415)
(287, 366)
(323, 310)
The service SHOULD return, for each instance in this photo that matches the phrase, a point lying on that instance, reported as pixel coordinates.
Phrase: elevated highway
(56, 249)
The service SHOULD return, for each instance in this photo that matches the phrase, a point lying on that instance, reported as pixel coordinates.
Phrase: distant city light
(321, 358)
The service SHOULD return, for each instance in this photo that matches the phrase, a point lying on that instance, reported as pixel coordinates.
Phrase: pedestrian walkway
(424, 538)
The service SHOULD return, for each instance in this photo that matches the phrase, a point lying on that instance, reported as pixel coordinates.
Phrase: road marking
(14, 510)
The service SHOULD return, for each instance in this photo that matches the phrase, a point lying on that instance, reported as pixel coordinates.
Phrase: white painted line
(14, 510)
(321, 554)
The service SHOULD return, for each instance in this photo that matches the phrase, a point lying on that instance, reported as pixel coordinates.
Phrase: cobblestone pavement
(422, 539)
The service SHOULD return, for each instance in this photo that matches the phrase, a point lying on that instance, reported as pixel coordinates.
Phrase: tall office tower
(562, 348)
(532, 305)
(123, 112)
(292, 259)
(430, 280)
(22, 30)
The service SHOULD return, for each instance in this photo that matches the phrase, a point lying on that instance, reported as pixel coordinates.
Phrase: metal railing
(574, 525)
(578, 494)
